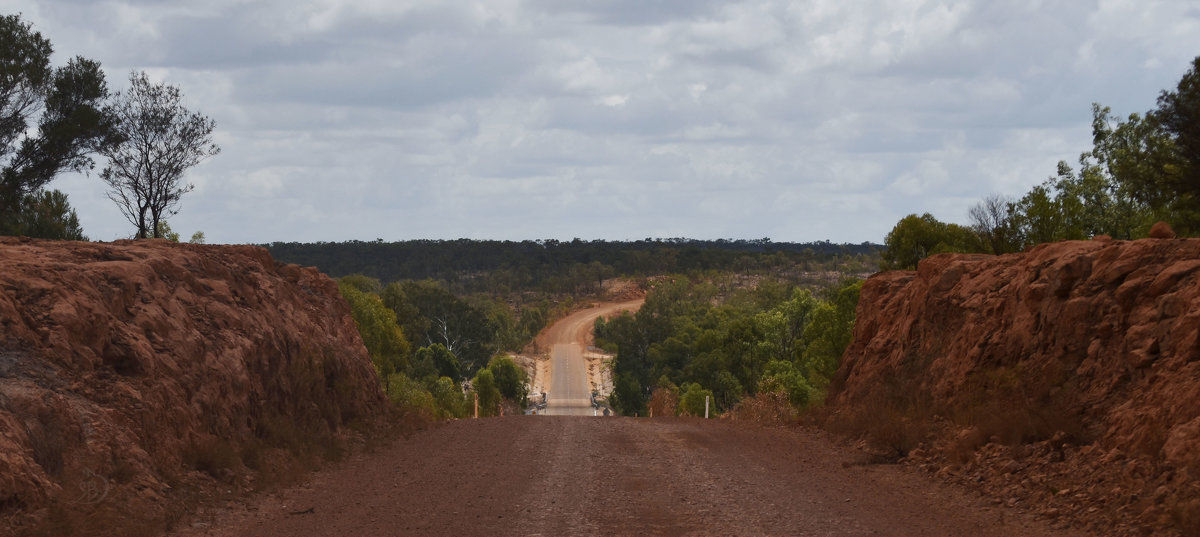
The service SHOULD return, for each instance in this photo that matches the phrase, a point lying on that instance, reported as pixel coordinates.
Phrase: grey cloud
(629, 12)
(235, 41)
(453, 71)
(621, 118)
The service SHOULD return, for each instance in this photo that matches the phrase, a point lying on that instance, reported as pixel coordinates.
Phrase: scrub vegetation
(1141, 169)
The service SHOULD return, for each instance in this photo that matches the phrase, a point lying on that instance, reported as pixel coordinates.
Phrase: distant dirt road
(527, 476)
(568, 393)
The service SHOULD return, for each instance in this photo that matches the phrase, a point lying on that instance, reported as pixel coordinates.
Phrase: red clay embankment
(134, 374)
(1065, 378)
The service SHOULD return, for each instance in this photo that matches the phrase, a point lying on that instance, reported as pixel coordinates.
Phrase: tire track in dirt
(543, 475)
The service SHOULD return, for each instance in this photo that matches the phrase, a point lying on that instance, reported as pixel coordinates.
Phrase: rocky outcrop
(1066, 378)
(130, 371)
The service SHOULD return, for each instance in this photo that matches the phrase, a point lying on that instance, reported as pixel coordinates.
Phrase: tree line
(1141, 169)
(54, 120)
(574, 267)
(697, 337)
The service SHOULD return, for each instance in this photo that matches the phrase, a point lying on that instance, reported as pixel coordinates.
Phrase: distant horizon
(546, 239)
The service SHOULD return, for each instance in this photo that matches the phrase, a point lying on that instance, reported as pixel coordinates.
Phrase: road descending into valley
(586, 476)
(569, 394)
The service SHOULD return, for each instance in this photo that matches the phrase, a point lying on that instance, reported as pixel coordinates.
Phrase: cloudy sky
(618, 119)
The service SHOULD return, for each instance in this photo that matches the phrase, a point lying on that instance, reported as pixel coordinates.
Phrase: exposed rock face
(127, 368)
(1086, 350)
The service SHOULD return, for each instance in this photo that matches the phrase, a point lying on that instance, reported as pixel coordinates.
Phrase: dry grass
(766, 409)
(664, 402)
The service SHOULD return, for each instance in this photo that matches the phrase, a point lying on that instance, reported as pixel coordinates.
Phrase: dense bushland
(550, 267)
(425, 342)
(704, 336)
(431, 337)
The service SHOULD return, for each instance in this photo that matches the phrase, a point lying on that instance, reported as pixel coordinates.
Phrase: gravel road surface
(546, 475)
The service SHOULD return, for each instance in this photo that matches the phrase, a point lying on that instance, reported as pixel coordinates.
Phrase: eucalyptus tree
(161, 139)
(51, 120)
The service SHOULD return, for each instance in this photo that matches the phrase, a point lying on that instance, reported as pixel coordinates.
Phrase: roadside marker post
(476, 405)
(706, 407)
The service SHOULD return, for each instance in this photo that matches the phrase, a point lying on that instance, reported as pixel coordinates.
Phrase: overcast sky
(618, 119)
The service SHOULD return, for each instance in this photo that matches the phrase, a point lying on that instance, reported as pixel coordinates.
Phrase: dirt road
(583, 476)
(526, 475)
(568, 393)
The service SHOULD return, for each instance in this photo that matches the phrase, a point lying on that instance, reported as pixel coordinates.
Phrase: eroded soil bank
(134, 376)
(1065, 379)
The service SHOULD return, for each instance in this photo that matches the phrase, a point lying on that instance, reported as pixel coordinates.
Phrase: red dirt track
(539, 475)
(551, 475)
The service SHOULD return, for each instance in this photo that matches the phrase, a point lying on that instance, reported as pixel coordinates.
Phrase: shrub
(783, 377)
(410, 395)
(627, 395)
(767, 408)
(693, 400)
(448, 399)
(511, 380)
(489, 394)
(664, 401)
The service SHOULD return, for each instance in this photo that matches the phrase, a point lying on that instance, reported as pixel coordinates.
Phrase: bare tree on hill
(162, 139)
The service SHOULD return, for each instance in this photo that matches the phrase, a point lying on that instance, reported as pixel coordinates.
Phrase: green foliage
(489, 394)
(690, 332)
(1113, 193)
(511, 380)
(439, 398)
(364, 284)
(164, 231)
(431, 314)
(376, 323)
(917, 237)
(829, 333)
(449, 400)
(692, 400)
(1140, 169)
(1178, 117)
(627, 398)
(784, 377)
(197, 238)
(73, 122)
(435, 361)
(553, 267)
(783, 326)
(45, 214)
(410, 395)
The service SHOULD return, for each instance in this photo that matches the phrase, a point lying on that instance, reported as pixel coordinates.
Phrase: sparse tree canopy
(992, 219)
(161, 140)
(73, 122)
